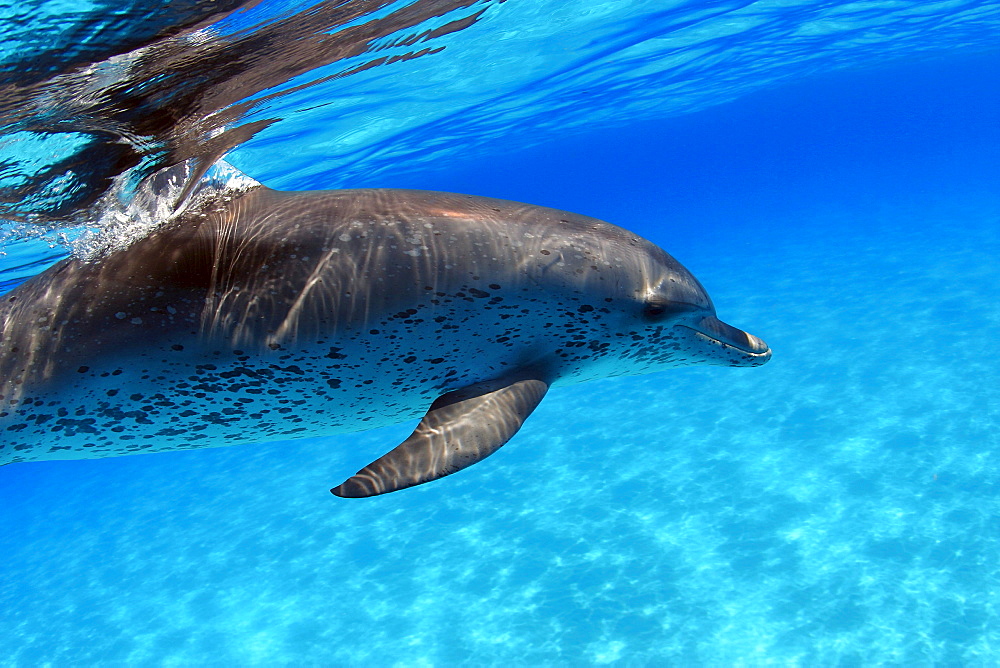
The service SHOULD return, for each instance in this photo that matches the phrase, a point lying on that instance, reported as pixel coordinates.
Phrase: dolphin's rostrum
(273, 315)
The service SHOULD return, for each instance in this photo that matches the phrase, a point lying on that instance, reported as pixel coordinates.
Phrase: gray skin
(278, 315)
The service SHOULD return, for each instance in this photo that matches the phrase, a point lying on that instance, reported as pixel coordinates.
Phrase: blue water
(831, 173)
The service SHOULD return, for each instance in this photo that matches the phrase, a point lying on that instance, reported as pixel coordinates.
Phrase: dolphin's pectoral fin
(460, 429)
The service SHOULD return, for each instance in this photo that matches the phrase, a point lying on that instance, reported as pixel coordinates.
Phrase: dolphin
(271, 315)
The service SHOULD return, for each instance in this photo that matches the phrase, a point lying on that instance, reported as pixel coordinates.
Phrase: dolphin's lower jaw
(739, 348)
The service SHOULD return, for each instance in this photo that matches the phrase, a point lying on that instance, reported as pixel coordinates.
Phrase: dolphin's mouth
(712, 328)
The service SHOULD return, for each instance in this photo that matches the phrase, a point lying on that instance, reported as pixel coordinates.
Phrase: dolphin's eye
(658, 310)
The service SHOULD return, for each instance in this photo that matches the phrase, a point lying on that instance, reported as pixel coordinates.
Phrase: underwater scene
(828, 170)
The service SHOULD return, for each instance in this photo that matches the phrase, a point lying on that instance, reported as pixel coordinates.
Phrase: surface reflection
(184, 93)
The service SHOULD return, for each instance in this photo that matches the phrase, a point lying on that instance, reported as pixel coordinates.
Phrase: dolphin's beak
(748, 349)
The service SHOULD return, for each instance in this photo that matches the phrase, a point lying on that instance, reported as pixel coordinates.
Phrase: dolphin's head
(634, 309)
(675, 322)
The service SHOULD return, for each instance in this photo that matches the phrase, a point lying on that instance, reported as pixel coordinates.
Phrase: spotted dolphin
(278, 315)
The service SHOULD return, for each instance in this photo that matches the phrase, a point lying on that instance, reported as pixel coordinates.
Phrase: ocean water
(829, 170)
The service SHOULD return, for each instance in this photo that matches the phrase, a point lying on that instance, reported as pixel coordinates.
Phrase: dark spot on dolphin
(177, 346)
(83, 369)
(72, 427)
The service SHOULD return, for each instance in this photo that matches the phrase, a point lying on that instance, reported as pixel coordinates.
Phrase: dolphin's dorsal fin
(460, 429)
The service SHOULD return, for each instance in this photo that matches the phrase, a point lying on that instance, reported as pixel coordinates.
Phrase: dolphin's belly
(208, 401)
(181, 393)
